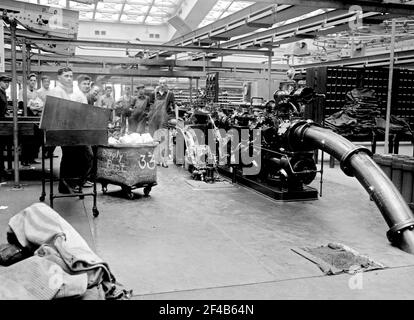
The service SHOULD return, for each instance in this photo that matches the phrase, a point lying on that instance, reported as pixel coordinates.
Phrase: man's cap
(5, 78)
(139, 86)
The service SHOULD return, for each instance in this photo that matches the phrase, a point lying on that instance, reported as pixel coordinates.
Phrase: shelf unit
(335, 82)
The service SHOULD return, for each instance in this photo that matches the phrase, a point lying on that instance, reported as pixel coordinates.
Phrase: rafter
(122, 10)
(148, 11)
(227, 7)
(94, 9)
(366, 5)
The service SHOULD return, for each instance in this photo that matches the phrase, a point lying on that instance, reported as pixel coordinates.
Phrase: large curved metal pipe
(357, 161)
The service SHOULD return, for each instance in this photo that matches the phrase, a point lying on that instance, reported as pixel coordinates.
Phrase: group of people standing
(154, 113)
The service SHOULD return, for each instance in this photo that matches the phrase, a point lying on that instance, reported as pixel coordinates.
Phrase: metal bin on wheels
(128, 166)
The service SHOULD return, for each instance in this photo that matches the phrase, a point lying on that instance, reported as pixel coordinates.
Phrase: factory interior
(206, 150)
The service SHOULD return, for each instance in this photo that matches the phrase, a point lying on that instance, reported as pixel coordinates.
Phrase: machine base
(279, 194)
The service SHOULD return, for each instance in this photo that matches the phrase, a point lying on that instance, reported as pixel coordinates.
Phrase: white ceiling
(148, 12)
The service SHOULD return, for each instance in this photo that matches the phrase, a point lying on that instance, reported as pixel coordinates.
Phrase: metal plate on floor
(218, 185)
(336, 258)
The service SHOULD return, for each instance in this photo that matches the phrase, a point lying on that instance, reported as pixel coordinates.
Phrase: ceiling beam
(368, 5)
(240, 15)
(122, 10)
(225, 9)
(148, 11)
(312, 21)
(199, 10)
(94, 9)
(87, 59)
(155, 73)
(377, 58)
(292, 32)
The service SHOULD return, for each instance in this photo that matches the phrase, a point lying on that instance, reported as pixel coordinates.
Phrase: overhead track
(155, 73)
(371, 5)
(143, 46)
(312, 24)
(88, 59)
(378, 59)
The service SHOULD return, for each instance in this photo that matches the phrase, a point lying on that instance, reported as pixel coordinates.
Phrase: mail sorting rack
(68, 123)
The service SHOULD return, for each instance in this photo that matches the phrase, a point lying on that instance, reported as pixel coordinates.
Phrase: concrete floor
(230, 243)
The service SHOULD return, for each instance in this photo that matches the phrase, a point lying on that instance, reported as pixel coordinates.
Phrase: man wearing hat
(4, 84)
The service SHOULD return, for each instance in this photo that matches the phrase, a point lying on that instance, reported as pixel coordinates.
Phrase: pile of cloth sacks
(361, 116)
(358, 115)
(45, 258)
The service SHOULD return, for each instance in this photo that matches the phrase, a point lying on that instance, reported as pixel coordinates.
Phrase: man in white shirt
(30, 148)
(76, 163)
(45, 89)
(84, 84)
(64, 87)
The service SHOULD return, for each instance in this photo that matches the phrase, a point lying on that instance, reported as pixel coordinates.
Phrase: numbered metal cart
(128, 166)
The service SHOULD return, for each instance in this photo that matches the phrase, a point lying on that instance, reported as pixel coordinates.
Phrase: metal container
(385, 162)
(127, 166)
(397, 170)
(407, 183)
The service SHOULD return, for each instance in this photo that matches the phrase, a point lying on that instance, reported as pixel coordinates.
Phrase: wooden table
(27, 130)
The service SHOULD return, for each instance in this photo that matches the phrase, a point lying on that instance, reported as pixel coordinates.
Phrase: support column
(191, 90)
(389, 97)
(13, 26)
(24, 77)
(270, 73)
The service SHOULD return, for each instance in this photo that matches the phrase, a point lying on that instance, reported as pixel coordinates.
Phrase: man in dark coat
(4, 84)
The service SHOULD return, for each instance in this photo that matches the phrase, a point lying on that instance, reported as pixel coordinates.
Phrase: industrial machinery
(42, 19)
(276, 169)
(286, 148)
(199, 158)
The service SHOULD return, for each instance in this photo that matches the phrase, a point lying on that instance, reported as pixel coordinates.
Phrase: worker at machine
(4, 84)
(76, 163)
(139, 111)
(123, 108)
(93, 95)
(106, 101)
(161, 118)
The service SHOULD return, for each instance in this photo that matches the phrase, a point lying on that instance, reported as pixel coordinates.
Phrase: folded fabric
(11, 253)
(47, 234)
(36, 278)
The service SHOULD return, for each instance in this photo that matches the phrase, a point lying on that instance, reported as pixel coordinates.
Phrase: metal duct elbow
(357, 161)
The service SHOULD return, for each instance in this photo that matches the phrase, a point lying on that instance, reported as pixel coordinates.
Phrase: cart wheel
(42, 198)
(95, 212)
(128, 192)
(130, 195)
(147, 191)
